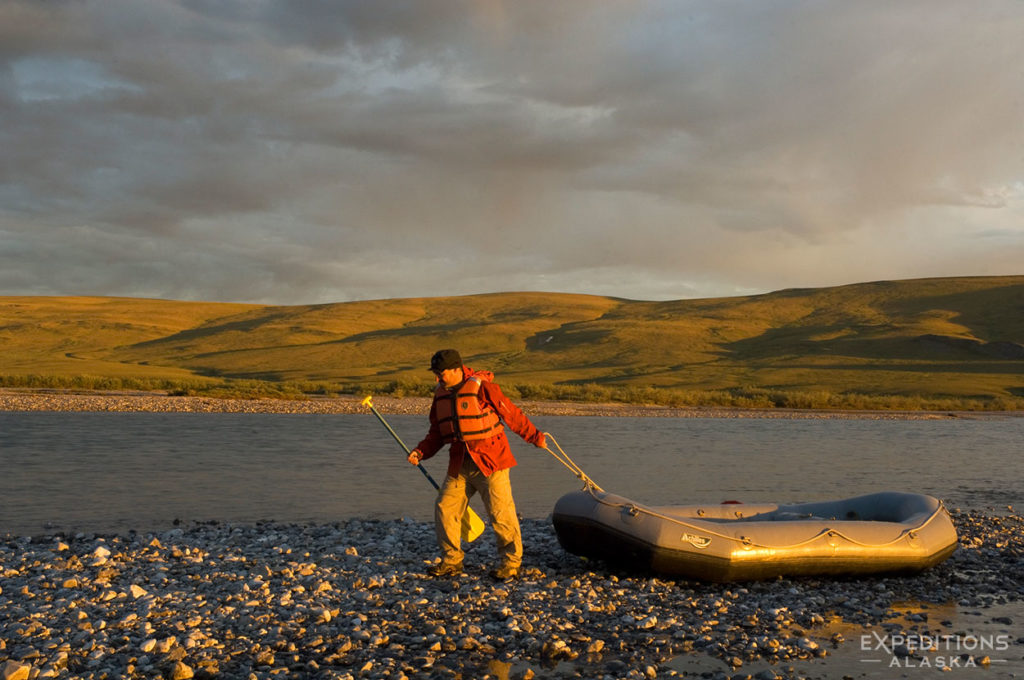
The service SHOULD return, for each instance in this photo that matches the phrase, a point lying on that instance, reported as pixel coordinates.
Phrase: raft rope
(748, 542)
(563, 458)
(590, 487)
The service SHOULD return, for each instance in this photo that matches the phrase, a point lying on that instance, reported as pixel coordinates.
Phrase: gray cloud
(318, 151)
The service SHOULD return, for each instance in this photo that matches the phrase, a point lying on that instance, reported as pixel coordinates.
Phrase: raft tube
(877, 533)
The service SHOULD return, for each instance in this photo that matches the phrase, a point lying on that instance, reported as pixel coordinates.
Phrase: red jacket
(489, 454)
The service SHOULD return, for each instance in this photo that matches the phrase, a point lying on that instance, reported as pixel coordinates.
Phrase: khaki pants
(496, 492)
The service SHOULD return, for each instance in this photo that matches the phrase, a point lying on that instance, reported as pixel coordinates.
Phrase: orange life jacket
(461, 415)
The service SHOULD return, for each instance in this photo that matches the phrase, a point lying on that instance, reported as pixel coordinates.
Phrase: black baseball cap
(445, 359)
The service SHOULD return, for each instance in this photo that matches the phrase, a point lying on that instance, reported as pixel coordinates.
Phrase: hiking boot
(443, 569)
(504, 572)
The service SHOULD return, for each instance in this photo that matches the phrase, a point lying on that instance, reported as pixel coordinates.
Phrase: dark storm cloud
(313, 151)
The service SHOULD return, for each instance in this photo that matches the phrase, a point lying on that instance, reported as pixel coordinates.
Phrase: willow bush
(742, 397)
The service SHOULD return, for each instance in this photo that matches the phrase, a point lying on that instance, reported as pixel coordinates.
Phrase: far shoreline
(54, 400)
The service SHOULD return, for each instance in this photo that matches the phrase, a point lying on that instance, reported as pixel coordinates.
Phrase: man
(468, 412)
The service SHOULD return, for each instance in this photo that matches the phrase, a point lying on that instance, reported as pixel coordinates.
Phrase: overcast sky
(301, 152)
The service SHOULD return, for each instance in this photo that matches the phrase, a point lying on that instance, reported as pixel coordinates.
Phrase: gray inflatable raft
(877, 533)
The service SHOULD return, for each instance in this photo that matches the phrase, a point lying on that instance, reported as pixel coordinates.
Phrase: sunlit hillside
(956, 337)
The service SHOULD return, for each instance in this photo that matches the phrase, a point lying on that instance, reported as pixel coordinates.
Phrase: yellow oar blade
(472, 526)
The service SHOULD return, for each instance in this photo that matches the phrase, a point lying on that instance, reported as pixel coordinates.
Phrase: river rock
(12, 670)
(180, 671)
(241, 599)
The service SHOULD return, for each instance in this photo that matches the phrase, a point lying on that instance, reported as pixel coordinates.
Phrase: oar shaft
(385, 424)
(401, 443)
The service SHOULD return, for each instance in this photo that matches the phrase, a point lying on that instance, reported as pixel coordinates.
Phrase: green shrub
(742, 397)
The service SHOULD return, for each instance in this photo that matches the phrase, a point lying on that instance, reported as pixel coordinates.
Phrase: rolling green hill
(951, 338)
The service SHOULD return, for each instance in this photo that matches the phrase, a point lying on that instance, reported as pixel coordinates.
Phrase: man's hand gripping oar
(472, 525)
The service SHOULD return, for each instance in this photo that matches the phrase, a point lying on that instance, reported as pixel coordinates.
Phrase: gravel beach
(352, 600)
(13, 399)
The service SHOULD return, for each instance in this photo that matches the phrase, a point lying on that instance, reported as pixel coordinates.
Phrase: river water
(101, 472)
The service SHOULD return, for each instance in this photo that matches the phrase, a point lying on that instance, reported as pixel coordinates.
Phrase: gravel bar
(352, 600)
(12, 399)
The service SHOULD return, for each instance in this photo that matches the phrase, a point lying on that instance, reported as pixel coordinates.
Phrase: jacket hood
(486, 376)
